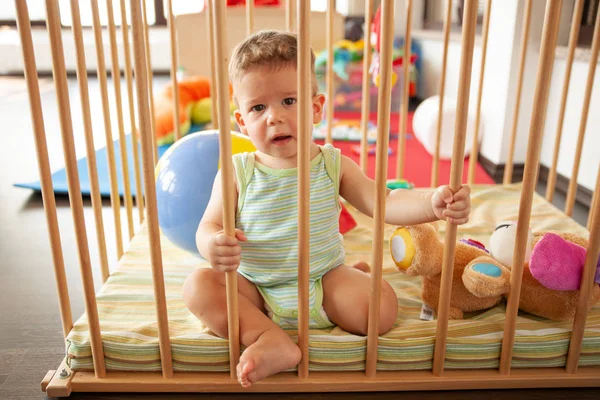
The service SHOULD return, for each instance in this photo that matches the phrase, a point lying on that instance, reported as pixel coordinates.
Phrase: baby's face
(268, 109)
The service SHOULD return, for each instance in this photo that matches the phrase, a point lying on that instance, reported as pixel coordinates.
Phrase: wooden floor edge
(338, 382)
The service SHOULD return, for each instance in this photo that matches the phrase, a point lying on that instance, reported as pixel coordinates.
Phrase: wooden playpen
(64, 380)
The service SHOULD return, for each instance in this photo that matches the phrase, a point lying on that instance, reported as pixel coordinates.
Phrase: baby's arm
(223, 251)
(403, 207)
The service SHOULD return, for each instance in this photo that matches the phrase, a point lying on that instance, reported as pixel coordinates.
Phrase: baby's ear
(240, 122)
(318, 102)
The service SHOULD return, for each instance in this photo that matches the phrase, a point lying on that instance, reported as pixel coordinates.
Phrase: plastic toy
(194, 107)
(399, 184)
(184, 179)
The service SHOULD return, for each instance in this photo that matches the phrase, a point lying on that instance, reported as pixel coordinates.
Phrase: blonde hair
(275, 49)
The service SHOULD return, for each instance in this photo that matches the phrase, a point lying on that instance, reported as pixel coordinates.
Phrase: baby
(264, 251)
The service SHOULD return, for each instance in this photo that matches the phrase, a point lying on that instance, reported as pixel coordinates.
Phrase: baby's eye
(258, 108)
(289, 101)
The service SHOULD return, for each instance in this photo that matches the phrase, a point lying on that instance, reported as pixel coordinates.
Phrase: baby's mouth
(281, 138)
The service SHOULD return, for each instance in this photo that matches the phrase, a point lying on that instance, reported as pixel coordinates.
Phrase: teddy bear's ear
(557, 263)
(485, 277)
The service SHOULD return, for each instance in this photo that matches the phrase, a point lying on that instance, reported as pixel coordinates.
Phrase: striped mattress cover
(129, 331)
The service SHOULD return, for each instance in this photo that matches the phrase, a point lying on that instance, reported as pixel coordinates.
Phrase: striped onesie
(268, 214)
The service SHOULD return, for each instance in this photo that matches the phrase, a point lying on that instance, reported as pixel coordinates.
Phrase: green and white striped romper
(268, 214)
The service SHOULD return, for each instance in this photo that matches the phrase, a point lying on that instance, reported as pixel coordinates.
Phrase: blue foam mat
(59, 178)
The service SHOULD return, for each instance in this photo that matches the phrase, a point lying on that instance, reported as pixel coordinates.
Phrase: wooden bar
(289, 15)
(573, 37)
(366, 88)
(150, 81)
(508, 170)
(436, 159)
(116, 75)
(173, 37)
(329, 75)
(584, 116)
(406, 91)
(475, 146)
(212, 60)
(222, 97)
(82, 79)
(249, 17)
(59, 74)
(585, 290)
(139, 197)
(47, 378)
(383, 137)
(542, 89)
(340, 381)
(141, 84)
(304, 140)
(594, 196)
(458, 152)
(41, 149)
(115, 199)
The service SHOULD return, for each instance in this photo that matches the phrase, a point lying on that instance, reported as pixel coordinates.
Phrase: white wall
(12, 57)
(500, 83)
(495, 101)
(591, 150)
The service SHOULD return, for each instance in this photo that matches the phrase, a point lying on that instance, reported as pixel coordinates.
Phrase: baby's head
(268, 49)
(263, 72)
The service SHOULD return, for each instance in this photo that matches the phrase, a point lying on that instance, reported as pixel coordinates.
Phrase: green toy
(399, 184)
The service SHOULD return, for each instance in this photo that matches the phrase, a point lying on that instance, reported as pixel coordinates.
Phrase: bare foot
(273, 352)
(363, 266)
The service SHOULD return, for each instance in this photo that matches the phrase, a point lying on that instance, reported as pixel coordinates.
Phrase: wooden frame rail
(573, 36)
(139, 197)
(140, 61)
(584, 116)
(458, 151)
(173, 42)
(438, 137)
(222, 102)
(475, 145)
(116, 77)
(59, 73)
(41, 148)
(366, 89)
(329, 70)
(82, 79)
(401, 150)
(542, 89)
(304, 139)
(508, 170)
(115, 199)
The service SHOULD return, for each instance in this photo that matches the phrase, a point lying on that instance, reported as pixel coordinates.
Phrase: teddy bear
(418, 251)
(481, 277)
(552, 271)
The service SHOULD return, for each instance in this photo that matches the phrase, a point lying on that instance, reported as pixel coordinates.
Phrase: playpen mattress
(128, 314)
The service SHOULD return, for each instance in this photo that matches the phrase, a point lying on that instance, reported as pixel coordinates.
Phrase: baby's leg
(269, 349)
(346, 293)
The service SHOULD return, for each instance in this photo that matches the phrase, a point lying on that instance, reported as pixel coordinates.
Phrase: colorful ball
(184, 178)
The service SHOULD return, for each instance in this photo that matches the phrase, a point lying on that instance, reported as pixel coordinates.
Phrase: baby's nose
(276, 117)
